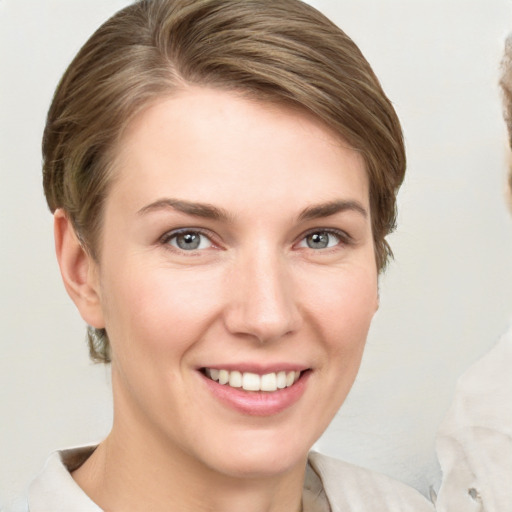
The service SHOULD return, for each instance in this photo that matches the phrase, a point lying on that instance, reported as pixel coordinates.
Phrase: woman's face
(236, 246)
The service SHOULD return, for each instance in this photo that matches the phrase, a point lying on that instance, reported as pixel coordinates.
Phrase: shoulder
(489, 378)
(474, 443)
(477, 409)
(496, 360)
(350, 488)
(54, 488)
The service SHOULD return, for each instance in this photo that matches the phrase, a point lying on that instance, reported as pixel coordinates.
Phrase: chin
(261, 458)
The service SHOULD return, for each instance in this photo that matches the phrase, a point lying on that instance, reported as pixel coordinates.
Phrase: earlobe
(78, 270)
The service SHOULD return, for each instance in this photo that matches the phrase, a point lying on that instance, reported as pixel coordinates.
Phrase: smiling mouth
(248, 381)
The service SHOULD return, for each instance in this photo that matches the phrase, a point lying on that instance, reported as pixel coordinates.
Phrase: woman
(222, 175)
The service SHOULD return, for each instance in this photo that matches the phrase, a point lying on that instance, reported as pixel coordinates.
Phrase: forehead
(202, 142)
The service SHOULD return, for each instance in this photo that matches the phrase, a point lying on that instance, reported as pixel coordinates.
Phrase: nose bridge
(263, 303)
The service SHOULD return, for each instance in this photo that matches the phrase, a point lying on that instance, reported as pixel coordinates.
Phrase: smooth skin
(235, 233)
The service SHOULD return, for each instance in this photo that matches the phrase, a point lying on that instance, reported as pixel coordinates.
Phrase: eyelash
(343, 238)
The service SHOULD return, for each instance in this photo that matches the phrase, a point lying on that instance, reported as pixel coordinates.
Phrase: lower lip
(258, 403)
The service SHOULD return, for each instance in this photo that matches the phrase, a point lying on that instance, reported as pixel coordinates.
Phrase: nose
(261, 300)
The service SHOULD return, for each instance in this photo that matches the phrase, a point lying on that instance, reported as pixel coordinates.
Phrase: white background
(444, 301)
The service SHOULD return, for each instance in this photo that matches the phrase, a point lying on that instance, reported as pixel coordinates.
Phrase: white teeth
(252, 381)
(281, 380)
(223, 376)
(269, 382)
(235, 379)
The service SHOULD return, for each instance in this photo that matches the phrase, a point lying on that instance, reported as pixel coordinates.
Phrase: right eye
(188, 240)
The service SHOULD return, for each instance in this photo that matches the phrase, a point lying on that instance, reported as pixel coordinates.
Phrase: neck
(131, 480)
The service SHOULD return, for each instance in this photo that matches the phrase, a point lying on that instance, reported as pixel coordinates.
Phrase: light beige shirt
(474, 445)
(330, 486)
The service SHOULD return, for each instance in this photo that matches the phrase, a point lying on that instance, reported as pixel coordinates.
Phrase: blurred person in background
(475, 439)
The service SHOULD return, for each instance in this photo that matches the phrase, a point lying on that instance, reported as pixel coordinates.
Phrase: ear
(79, 271)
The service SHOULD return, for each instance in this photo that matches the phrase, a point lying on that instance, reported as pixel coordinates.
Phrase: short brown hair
(281, 51)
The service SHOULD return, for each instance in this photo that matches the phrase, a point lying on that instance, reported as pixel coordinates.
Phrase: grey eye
(321, 240)
(190, 241)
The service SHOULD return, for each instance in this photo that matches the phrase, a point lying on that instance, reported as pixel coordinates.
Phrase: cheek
(158, 309)
(342, 305)
(351, 295)
(341, 312)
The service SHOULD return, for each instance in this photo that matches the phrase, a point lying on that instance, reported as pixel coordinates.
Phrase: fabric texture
(474, 445)
(330, 486)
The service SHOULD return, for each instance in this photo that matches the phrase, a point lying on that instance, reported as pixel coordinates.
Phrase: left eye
(320, 240)
(189, 241)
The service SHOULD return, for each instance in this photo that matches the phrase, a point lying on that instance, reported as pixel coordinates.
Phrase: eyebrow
(331, 208)
(209, 211)
(203, 210)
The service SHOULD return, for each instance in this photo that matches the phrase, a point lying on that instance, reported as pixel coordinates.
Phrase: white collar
(330, 484)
